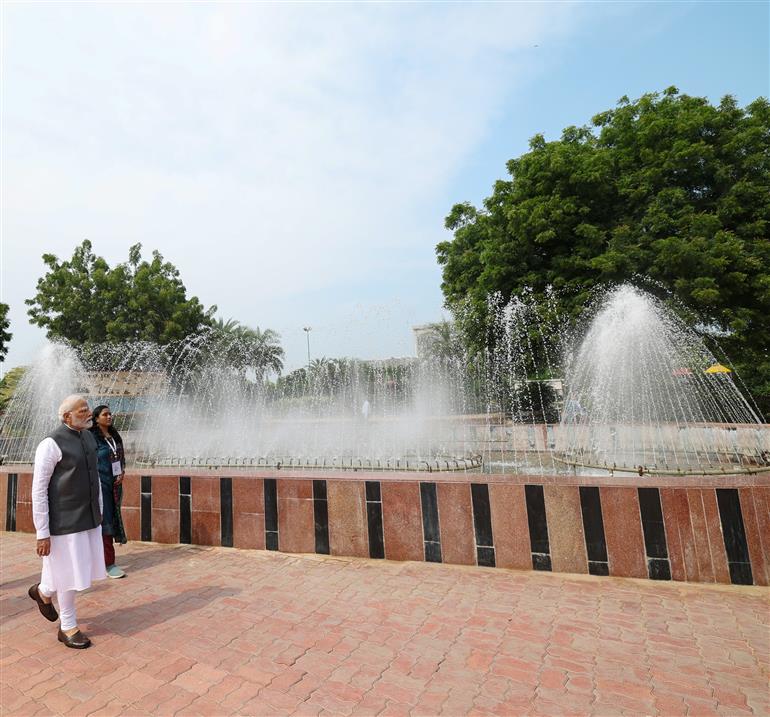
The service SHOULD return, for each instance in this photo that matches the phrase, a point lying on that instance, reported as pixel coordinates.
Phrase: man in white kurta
(66, 511)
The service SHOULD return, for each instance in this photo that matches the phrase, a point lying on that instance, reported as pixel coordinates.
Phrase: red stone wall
(165, 509)
(249, 517)
(402, 521)
(565, 529)
(205, 511)
(455, 517)
(348, 533)
(694, 535)
(755, 505)
(510, 527)
(131, 507)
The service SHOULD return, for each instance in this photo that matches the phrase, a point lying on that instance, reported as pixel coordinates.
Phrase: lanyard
(112, 443)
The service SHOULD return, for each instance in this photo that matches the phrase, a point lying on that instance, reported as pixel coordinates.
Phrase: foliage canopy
(668, 187)
(9, 383)
(5, 335)
(84, 300)
(244, 348)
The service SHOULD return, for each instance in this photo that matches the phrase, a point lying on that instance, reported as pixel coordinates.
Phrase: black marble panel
(593, 525)
(541, 561)
(432, 552)
(734, 533)
(271, 514)
(185, 510)
(374, 520)
(271, 539)
(146, 508)
(319, 490)
(485, 557)
(321, 517)
(430, 526)
(538, 526)
(482, 515)
(429, 502)
(185, 519)
(226, 511)
(740, 574)
(597, 567)
(652, 523)
(10, 502)
(373, 493)
(658, 569)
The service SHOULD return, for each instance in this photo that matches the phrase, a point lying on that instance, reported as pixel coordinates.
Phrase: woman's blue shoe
(115, 572)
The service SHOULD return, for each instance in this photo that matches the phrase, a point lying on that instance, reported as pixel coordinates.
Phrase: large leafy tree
(669, 187)
(5, 336)
(85, 301)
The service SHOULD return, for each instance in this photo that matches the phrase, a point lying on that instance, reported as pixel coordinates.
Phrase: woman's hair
(95, 429)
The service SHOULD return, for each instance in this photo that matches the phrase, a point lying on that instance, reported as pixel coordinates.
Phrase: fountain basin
(688, 528)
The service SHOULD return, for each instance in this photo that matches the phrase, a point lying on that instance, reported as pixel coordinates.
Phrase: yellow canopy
(717, 368)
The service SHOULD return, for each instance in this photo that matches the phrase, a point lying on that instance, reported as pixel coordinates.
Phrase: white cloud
(269, 150)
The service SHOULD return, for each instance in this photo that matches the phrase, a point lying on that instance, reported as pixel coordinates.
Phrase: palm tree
(248, 348)
(443, 342)
(228, 326)
(265, 348)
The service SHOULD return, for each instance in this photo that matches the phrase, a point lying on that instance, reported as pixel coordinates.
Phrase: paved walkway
(216, 631)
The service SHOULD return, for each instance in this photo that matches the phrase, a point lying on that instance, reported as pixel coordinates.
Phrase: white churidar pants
(66, 599)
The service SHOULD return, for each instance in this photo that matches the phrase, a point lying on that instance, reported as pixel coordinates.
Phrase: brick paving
(217, 631)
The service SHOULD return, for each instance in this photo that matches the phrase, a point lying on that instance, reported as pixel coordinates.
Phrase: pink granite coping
(728, 480)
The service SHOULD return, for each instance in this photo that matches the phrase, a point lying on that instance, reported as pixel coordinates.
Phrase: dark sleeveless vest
(73, 493)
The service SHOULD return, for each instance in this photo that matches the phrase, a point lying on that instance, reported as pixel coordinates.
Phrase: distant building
(424, 336)
(557, 384)
(124, 391)
(393, 362)
(126, 383)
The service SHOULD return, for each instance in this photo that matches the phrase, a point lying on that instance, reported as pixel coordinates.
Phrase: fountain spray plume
(207, 401)
(640, 396)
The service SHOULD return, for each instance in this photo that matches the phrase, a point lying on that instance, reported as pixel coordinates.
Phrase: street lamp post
(307, 330)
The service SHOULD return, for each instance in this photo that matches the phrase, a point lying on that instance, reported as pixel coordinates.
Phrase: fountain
(190, 404)
(637, 399)
(644, 394)
(625, 450)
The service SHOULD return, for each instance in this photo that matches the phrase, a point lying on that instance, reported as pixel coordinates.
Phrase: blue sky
(296, 161)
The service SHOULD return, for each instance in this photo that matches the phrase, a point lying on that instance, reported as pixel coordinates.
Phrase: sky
(296, 161)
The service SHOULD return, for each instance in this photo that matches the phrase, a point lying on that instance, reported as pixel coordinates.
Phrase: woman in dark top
(111, 463)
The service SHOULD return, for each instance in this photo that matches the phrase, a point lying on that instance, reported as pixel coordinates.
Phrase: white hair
(69, 403)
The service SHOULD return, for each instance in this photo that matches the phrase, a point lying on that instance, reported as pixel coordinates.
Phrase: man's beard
(82, 425)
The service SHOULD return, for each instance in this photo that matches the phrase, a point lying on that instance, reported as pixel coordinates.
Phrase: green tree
(443, 342)
(85, 301)
(243, 347)
(8, 385)
(5, 335)
(320, 366)
(669, 187)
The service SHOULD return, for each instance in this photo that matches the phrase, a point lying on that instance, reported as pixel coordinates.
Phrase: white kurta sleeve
(47, 456)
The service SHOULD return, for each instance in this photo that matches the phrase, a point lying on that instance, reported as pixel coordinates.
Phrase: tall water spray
(640, 396)
(193, 404)
(202, 402)
(637, 398)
